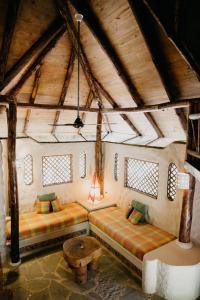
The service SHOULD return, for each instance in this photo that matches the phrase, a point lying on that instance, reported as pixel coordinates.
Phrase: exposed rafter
(46, 37)
(95, 27)
(146, 108)
(32, 97)
(115, 106)
(87, 105)
(94, 86)
(36, 62)
(180, 46)
(155, 50)
(11, 17)
(65, 86)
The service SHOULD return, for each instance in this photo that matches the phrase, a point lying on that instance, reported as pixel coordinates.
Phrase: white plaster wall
(163, 213)
(195, 232)
(2, 209)
(67, 192)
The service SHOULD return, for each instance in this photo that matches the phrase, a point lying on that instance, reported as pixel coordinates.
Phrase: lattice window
(116, 167)
(56, 169)
(172, 181)
(142, 176)
(82, 165)
(28, 169)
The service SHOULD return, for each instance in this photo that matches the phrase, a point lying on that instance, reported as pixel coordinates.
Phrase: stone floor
(47, 276)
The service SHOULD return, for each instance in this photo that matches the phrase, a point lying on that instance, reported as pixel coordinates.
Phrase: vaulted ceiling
(129, 57)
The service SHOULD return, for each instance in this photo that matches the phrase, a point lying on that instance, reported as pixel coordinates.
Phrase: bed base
(35, 244)
(116, 246)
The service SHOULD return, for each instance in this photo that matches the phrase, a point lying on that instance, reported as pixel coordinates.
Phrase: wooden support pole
(12, 182)
(99, 153)
(186, 213)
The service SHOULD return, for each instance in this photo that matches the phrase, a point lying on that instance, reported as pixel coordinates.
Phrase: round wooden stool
(80, 252)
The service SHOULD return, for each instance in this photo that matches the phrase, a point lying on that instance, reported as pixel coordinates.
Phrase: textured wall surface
(163, 213)
(195, 233)
(67, 192)
(2, 210)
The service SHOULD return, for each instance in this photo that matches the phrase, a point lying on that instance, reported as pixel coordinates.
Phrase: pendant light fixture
(78, 122)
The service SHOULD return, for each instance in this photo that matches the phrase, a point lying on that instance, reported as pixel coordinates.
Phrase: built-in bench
(35, 228)
(110, 224)
(131, 241)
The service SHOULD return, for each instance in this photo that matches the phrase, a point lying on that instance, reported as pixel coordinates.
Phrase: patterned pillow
(42, 207)
(47, 197)
(142, 208)
(135, 217)
(56, 205)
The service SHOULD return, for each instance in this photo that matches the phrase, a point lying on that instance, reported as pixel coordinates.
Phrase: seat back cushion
(47, 197)
(42, 207)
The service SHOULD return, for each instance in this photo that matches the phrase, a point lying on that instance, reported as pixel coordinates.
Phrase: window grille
(116, 167)
(56, 169)
(142, 176)
(172, 181)
(28, 169)
(82, 165)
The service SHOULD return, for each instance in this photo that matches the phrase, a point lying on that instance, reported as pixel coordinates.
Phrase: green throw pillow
(142, 208)
(47, 197)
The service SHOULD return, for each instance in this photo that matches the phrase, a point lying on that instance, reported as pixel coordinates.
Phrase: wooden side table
(81, 253)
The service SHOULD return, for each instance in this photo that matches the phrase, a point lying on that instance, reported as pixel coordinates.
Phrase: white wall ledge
(172, 272)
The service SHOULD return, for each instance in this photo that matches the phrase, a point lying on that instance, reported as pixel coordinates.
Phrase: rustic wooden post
(186, 213)
(12, 182)
(99, 152)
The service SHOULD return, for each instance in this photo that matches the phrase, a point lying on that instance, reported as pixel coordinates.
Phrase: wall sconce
(183, 181)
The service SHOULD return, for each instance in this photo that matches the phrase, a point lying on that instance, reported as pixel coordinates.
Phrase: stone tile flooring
(48, 277)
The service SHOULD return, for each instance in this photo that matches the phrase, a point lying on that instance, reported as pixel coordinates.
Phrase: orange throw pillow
(43, 207)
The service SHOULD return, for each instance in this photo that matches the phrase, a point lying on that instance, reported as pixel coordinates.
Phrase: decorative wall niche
(28, 169)
(172, 181)
(82, 165)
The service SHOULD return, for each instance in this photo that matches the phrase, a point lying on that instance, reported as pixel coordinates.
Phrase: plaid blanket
(33, 224)
(138, 239)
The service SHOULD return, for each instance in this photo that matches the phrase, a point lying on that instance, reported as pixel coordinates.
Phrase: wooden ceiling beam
(32, 97)
(15, 90)
(65, 13)
(65, 87)
(178, 43)
(142, 109)
(11, 18)
(116, 106)
(146, 26)
(95, 27)
(93, 84)
(4, 100)
(46, 37)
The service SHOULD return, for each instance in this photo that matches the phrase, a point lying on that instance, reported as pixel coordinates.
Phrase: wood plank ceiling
(128, 59)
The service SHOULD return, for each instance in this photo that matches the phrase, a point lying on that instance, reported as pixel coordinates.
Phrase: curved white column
(172, 272)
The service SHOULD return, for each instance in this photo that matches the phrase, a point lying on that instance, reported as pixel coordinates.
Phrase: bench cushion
(33, 224)
(138, 239)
